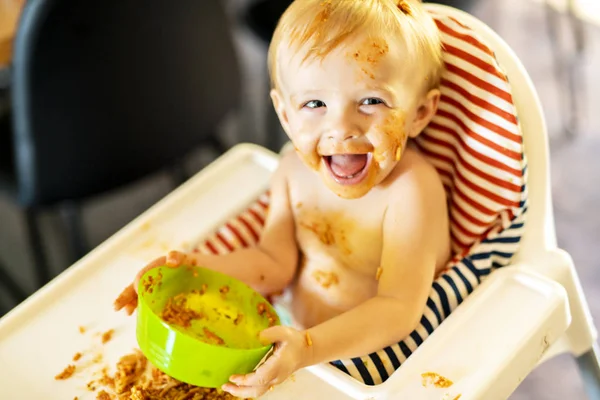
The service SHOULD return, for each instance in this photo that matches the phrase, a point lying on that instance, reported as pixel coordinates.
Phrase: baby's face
(349, 114)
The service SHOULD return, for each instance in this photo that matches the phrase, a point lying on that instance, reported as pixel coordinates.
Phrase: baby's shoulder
(295, 171)
(289, 160)
(415, 174)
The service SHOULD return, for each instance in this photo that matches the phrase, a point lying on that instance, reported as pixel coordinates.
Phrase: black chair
(105, 93)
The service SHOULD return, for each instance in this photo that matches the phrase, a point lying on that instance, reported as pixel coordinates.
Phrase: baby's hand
(128, 298)
(291, 352)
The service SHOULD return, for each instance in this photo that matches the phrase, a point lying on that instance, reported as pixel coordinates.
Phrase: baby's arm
(267, 267)
(270, 265)
(412, 239)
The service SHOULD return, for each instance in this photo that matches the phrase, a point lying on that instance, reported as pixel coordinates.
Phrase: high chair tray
(513, 312)
(39, 338)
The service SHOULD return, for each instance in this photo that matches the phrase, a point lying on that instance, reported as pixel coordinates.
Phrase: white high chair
(520, 316)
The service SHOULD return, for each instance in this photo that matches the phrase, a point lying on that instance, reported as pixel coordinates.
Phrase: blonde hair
(323, 25)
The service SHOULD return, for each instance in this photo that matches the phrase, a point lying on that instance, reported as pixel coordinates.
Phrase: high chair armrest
(485, 347)
(491, 342)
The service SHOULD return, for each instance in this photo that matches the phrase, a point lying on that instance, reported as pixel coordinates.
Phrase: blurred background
(99, 121)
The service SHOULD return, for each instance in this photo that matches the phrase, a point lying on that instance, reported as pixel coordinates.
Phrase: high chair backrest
(474, 140)
(539, 230)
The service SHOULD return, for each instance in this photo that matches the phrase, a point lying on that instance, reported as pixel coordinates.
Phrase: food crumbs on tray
(438, 381)
(457, 397)
(105, 379)
(98, 358)
(82, 329)
(103, 395)
(77, 356)
(107, 336)
(308, 339)
(66, 373)
(137, 379)
(378, 274)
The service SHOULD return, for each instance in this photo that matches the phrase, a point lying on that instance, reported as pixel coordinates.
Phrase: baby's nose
(344, 128)
(342, 135)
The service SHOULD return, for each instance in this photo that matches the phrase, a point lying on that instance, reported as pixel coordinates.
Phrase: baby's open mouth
(348, 168)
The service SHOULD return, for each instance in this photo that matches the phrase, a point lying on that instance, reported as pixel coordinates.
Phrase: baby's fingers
(245, 392)
(127, 296)
(176, 258)
(130, 308)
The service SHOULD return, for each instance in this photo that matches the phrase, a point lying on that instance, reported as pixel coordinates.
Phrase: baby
(358, 225)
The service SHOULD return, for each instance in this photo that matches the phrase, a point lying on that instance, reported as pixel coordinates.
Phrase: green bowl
(188, 350)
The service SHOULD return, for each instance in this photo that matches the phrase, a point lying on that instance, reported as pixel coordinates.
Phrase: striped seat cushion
(475, 143)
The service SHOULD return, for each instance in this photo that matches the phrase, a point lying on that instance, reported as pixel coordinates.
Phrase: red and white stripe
(241, 231)
(474, 140)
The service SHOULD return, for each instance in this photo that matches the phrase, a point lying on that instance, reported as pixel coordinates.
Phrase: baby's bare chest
(345, 233)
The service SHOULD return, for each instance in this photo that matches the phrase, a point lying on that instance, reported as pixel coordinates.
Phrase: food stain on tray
(435, 380)
(136, 379)
(107, 336)
(66, 373)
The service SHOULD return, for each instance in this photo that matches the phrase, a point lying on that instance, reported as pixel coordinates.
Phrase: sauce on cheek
(393, 136)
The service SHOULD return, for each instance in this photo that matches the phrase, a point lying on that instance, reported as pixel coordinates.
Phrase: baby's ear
(279, 105)
(426, 109)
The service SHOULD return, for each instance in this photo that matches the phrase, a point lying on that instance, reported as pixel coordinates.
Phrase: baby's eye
(315, 104)
(372, 101)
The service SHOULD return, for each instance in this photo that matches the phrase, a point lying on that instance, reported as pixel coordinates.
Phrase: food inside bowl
(200, 326)
(214, 315)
